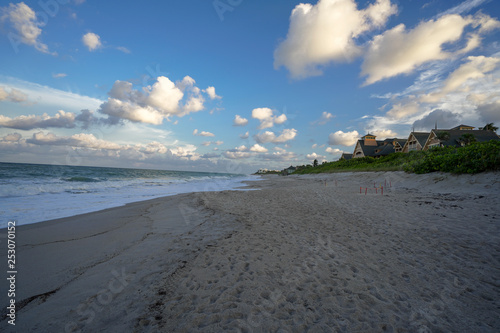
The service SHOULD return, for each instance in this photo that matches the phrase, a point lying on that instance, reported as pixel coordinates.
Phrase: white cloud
(315, 156)
(267, 118)
(130, 111)
(245, 136)
(164, 95)
(382, 134)
(61, 119)
(258, 148)
(267, 136)
(59, 75)
(211, 93)
(77, 140)
(14, 95)
(398, 51)
(404, 110)
(239, 121)
(343, 138)
(92, 41)
(279, 155)
(123, 49)
(204, 133)
(240, 152)
(208, 143)
(324, 33)
(476, 68)
(27, 28)
(333, 151)
(153, 103)
(325, 117)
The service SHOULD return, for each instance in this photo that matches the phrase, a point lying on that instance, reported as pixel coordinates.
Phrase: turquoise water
(32, 193)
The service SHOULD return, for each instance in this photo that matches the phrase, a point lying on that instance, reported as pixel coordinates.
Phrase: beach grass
(473, 158)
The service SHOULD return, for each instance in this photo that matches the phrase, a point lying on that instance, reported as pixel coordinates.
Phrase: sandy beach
(292, 254)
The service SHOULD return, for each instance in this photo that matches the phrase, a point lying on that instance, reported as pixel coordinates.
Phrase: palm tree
(467, 139)
(490, 127)
(443, 136)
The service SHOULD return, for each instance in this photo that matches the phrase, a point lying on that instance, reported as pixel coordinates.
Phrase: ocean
(31, 193)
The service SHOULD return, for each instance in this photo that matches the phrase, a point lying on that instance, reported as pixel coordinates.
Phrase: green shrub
(473, 158)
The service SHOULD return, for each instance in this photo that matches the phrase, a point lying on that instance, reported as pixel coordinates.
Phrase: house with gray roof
(369, 146)
(415, 141)
(455, 137)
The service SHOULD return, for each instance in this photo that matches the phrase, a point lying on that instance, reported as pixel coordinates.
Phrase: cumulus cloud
(210, 91)
(239, 121)
(13, 95)
(202, 133)
(326, 32)
(333, 151)
(315, 156)
(267, 118)
(153, 103)
(92, 41)
(490, 112)
(76, 140)
(400, 51)
(279, 155)
(343, 138)
(61, 119)
(245, 136)
(208, 143)
(240, 152)
(441, 118)
(382, 134)
(26, 26)
(267, 136)
(258, 148)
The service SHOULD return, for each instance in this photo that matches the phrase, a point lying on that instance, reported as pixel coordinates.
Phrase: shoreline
(108, 203)
(303, 252)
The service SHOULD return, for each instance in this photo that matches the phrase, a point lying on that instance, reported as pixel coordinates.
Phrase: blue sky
(237, 85)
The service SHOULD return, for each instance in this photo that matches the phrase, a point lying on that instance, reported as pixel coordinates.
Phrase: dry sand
(301, 253)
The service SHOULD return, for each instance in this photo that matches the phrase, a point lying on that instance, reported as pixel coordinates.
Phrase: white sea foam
(30, 197)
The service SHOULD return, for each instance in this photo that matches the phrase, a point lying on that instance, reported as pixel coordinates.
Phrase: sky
(237, 85)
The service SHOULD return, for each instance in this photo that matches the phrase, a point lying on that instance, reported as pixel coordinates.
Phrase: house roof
(421, 137)
(401, 142)
(385, 150)
(369, 150)
(459, 126)
(455, 134)
(346, 156)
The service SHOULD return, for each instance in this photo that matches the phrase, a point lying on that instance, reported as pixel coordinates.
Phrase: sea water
(31, 193)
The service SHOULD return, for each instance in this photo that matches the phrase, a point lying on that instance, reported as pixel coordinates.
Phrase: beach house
(346, 156)
(458, 136)
(415, 141)
(369, 146)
